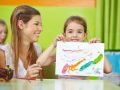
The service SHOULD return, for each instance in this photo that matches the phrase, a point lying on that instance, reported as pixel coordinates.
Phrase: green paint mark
(99, 58)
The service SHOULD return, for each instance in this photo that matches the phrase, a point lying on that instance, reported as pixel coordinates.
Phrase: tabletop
(58, 84)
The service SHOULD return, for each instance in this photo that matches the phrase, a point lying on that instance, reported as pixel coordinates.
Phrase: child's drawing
(80, 59)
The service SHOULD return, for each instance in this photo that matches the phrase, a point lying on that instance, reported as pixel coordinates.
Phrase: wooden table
(58, 84)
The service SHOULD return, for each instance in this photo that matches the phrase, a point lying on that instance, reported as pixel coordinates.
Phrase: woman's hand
(33, 70)
(95, 40)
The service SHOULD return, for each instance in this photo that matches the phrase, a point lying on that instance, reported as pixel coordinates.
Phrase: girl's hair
(24, 13)
(2, 22)
(77, 19)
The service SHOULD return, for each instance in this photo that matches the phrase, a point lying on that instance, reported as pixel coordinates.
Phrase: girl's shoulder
(5, 47)
(8, 54)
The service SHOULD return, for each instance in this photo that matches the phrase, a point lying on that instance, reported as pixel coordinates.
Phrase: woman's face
(3, 33)
(32, 29)
(75, 32)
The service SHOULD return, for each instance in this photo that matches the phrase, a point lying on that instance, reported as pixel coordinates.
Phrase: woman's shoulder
(38, 48)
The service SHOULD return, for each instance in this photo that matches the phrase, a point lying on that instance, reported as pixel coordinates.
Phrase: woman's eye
(36, 24)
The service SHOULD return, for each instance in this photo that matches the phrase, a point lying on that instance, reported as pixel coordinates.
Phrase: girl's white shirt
(9, 59)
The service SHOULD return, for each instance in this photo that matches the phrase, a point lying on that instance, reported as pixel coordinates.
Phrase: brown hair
(2, 22)
(77, 19)
(24, 13)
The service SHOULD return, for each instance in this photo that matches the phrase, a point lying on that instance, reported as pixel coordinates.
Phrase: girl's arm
(49, 56)
(46, 57)
(2, 59)
(107, 66)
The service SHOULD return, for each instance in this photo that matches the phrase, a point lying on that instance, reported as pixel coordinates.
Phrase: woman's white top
(9, 59)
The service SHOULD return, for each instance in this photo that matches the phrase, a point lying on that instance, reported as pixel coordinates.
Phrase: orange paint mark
(73, 67)
(70, 3)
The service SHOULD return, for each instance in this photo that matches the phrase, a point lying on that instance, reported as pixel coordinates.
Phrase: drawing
(80, 59)
(71, 67)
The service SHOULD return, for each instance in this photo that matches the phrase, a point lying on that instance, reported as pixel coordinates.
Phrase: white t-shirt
(9, 59)
(2, 46)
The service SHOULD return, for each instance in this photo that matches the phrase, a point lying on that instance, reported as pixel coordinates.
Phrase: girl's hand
(95, 40)
(58, 38)
(33, 70)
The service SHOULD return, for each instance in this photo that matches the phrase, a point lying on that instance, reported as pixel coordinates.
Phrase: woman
(21, 54)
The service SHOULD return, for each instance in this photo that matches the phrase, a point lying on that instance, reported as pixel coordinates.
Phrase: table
(58, 84)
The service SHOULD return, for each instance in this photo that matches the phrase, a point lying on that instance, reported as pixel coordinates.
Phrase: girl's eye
(79, 32)
(3, 32)
(69, 31)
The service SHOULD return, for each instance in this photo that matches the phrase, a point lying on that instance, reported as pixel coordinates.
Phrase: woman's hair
(24, 13)
(76, 19)
(2, 22)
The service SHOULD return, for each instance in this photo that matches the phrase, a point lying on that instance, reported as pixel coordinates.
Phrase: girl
(21, 54)
(3, 31)
(75, 30)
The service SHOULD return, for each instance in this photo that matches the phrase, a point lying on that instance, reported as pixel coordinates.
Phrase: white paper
(79, 59)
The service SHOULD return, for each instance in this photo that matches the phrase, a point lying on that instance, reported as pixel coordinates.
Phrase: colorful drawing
(71, 67)
(98, 59)
(65, 68)
(86, 65)
(80, 59)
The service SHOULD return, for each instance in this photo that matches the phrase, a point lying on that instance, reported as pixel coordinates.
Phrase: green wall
(53, 19)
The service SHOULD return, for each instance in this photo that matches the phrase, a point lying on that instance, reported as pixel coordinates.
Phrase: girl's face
(32, 29)
(75, 32)
(3, 33)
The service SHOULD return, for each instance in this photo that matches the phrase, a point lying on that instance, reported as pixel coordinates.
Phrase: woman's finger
(35, 75)
(34, 65)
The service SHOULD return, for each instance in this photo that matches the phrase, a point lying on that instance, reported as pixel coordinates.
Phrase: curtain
(108, 23)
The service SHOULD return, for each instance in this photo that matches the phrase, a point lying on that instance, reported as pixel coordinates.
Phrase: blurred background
(102, 16)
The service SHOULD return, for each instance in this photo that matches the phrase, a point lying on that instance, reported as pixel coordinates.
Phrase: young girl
(3, 31)
(75, 30)
(21, 54)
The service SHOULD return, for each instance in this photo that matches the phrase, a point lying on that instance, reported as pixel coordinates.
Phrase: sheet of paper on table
(79, 59)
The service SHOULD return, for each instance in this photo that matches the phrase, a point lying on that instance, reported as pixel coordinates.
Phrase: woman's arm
(2, 59)
(33, 70)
